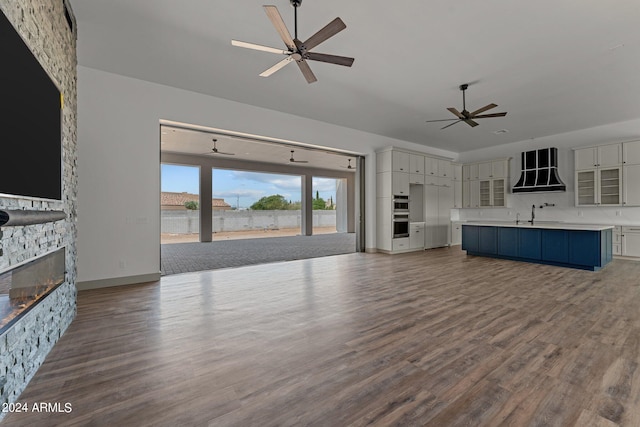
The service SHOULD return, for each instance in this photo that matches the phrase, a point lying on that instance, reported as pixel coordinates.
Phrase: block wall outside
(185, 222)
(23, 348)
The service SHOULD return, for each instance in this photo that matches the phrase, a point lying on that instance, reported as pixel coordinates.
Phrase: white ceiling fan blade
(267, 73)
(258, 47)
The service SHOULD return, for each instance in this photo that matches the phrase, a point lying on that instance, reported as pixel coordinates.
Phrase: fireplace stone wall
(49, 30)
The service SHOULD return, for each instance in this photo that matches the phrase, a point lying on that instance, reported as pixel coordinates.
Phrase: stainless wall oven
(400, 225)
(400, 203)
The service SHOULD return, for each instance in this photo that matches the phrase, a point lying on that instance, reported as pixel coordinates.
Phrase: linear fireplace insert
(22, 287)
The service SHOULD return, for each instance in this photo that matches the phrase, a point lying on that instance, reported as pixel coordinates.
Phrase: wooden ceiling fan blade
(259, 47)
(331, 59)
(278, 23)
(456, 121)
(442, 120)
(483, 109)
(456, 112)
(471, 123)
(484, 116)
(326, 32)
(306, 71)
(268, 72)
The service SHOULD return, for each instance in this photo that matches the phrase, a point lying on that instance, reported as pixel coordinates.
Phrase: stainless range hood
(539, 172)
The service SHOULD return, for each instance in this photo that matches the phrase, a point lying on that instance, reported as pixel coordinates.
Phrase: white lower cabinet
(617, 240)
(416, 236)
(631, 241)
(401, 244)
(456, 233)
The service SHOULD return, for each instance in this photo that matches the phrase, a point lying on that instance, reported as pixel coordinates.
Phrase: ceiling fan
(297, 50)
(292, 160)
(466, 116)
(348, 166)
(215, 150)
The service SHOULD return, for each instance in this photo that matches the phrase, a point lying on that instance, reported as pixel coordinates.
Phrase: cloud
(324, 184)
(277, 182)
(242, 192)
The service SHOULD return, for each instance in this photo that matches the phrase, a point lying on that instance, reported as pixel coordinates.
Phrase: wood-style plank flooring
(435, 338)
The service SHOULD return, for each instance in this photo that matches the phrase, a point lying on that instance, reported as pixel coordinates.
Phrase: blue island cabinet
(584, 249)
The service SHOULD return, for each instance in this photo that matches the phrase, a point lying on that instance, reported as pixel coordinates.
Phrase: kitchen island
(583, 246)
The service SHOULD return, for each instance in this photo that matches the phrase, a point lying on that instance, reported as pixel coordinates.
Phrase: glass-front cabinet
(599, 187)
(492, 193)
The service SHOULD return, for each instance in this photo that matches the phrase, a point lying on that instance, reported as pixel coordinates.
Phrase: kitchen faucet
(533, 214)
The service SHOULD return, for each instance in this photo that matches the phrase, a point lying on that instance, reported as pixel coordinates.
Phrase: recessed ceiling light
(498, 132)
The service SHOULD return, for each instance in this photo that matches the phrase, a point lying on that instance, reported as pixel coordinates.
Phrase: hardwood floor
(434, 338)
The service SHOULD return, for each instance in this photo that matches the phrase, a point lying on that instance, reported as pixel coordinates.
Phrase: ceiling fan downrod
(295, 4)
(464, 87)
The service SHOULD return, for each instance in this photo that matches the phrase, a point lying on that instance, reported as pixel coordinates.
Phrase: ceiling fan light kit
(466, 116)
(299, 51)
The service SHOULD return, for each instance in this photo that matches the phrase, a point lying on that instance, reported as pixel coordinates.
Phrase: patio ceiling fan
(466, 116)
(215, 150)
(348, 166)
(292, 160)
(297, 50)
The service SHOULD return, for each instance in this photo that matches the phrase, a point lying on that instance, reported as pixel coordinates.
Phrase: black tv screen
(30, 122)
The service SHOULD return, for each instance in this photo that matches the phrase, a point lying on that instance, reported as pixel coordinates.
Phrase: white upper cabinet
(456, 170)
(400, 162)
(444, 168)
(457, 194)
(470, 172)
(430, 166)
(484, 170)
(500, 168)
(597, 157)
(400, 184)
(631, 153)
(416, 164)
(610, 155)
(631, 190)
(586, 158)
(494, 169)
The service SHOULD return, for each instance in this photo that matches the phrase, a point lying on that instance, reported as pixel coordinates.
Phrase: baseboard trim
(117, 281)
(370, 250)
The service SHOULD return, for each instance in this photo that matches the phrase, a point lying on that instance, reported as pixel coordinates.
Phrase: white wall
(119, 163)
(565, 209)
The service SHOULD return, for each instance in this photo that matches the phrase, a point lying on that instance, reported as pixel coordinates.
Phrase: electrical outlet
(122, 264)
(618, 213)
(509, 213)
(580, 213)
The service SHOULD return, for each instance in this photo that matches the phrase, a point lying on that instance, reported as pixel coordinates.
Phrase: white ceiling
(554, 66)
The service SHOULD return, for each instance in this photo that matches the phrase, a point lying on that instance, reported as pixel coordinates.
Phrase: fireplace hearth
(22, 287)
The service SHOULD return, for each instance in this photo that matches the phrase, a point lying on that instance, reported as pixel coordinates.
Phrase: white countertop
(542, 224)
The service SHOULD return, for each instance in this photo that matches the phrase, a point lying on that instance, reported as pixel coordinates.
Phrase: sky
(242, 189)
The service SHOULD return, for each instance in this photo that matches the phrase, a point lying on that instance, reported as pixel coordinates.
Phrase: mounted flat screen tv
(30, 122)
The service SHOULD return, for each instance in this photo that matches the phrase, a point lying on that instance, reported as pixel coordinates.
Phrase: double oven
(400, 216)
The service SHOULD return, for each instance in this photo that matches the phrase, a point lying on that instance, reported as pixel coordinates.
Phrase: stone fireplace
(31, 254)
(22, 287)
